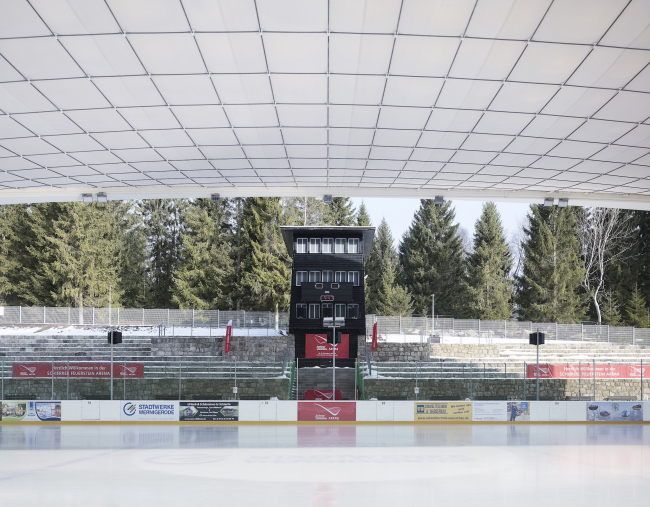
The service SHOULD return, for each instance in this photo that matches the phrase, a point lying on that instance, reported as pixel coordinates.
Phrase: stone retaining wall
(503, 389)
(147, 389)
(244, 348)
(401, 352)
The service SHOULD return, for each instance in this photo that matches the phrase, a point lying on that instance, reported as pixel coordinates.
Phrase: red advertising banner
(586, 370)
(228, 335)
(327, 411)
(373, 346)
(322, 394)
(316, 347)
(77, 370)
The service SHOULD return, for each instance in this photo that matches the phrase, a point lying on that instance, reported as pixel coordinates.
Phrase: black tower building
(327, 286)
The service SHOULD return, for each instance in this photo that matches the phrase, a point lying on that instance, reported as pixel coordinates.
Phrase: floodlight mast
(334, 361)
(537, 342)
(332, 325)
(110, 332)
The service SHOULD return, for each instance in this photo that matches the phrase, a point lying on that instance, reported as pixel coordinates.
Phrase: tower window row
(327, 245)
(327, 276)
(327, 310)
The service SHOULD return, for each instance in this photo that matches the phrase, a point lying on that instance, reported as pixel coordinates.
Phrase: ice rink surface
(269, 465)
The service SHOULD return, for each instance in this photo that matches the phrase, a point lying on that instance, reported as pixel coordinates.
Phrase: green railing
(360, 375)
(293, 380)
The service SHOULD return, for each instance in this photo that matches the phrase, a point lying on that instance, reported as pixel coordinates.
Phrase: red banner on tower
(228, 334)
(316, 347)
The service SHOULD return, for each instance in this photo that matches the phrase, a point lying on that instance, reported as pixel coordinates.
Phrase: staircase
(321, 378)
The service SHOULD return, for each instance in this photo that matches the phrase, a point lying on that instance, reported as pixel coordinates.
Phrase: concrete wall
(466, 351)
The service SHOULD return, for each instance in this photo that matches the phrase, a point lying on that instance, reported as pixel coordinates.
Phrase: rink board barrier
(232, 411)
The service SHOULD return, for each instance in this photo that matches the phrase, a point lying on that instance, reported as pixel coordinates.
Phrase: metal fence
(477, 377)
(408, 328)
(488, 331)
(43, 315)
(178, 369)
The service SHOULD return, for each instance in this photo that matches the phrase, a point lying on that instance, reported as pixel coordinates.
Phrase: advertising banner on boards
(77, 370)
(489, 411)
(208, 411)
(443, 411)
(31, 411)
(615, 411)
(327, 411)
(149, 411)
(316, 347)
(518, 411)
(586, 371)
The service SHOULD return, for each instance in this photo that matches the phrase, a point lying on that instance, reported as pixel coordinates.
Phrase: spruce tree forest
(565, 265)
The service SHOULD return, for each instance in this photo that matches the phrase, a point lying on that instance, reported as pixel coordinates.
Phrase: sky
(399, 213)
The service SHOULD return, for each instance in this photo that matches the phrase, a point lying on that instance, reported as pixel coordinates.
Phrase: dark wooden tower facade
(327, 285)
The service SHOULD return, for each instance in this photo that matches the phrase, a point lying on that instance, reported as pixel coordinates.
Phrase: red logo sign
(322, 394)
(316, 347)
(586, 370)
(327, 411)
(77, 370)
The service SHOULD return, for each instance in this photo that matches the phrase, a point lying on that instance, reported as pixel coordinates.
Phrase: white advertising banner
(149, 411)
(489, 411)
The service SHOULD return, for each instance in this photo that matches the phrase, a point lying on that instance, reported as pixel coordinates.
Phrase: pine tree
(363, 219)
(610, 309)
(202, 279)
(11, 216)
(164, 223)
(634, 271)
(265, 277)
(382, 256)
(552, 272)
(431, 255)
(74, 255)
(238, 250)
(341, 212)
(636, 310)
(133, 255)
(393, 299)
(489, 265)
(304, 211)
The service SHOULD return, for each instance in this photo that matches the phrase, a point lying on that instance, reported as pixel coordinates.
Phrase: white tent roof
(487, 99)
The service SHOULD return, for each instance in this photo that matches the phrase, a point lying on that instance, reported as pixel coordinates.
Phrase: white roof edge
(36, 195)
